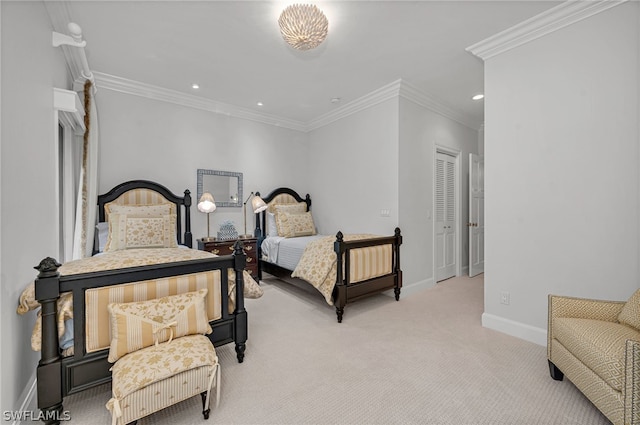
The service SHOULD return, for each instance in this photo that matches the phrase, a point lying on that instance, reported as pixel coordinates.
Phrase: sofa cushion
(630, 314)
(600, 345)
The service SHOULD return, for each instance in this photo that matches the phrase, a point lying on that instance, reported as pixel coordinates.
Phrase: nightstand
(225, 247)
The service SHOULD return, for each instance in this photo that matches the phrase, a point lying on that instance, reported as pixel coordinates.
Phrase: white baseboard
(412, 288)
(517, 329)
(28, 397)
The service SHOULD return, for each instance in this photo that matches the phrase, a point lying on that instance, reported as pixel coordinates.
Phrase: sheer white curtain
(88, 188)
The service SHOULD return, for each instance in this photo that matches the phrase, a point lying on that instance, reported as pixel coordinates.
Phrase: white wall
(562, 160)
(421, 130)
(353, 169)
(147, 139)
(31, 67)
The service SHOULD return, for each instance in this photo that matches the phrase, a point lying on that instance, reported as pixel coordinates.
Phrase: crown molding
(387, 92)
(137, 88)
(558, 17)
(390, 91)
(398, 88)
(418, 97)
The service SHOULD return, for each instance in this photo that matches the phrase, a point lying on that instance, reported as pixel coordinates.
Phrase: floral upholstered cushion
(153, 364)
(141, 324)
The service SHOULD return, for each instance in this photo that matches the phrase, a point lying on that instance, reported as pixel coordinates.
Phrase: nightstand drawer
(226, 247)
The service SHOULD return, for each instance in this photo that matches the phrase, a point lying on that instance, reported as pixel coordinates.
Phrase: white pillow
(103, 232)
(272, 230)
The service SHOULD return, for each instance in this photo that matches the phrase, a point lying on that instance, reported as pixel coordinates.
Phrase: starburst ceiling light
(303, 26)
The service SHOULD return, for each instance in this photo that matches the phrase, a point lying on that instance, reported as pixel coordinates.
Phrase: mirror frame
(202, 172)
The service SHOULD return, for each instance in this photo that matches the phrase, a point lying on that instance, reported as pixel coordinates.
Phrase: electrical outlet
(504, 297)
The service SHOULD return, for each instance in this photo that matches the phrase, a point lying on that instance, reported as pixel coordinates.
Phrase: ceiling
(234, 51)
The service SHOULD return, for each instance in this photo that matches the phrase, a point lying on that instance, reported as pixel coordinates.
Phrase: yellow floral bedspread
(117, 260)
(318, 263)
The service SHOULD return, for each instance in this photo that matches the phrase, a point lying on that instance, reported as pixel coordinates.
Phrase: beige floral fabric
(138, 325)
(295, 225)
(139, 210)
(117, 260)
(128, 232)
(156, 377)
(282, 213)
(318, 263)
(286, 200)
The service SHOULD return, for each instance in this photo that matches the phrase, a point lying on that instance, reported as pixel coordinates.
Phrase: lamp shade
(206, 204)
(258, 204)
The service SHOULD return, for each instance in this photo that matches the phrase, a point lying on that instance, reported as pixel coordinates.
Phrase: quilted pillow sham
(141, 324)
(295, 225)
(127, 232)
(282, 224)
(152, 210)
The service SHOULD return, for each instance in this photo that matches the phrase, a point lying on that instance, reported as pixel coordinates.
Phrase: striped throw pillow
(141, 324)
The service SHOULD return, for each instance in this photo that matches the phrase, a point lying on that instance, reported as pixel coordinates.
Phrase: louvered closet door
(445, 217)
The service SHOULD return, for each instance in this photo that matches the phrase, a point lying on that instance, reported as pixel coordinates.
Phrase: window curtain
(88, 188)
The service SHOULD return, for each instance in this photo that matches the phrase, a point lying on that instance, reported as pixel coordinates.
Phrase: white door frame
(456, 154)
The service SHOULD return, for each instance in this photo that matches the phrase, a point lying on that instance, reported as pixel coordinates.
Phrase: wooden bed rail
(345, 291)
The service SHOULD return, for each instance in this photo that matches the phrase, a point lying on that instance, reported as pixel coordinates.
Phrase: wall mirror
(225, 186)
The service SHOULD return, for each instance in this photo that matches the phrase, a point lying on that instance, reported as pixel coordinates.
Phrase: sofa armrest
(580, 308)
(631, 387)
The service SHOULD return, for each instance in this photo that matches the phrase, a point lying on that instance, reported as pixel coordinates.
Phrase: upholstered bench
(161, 355)
(156, 377)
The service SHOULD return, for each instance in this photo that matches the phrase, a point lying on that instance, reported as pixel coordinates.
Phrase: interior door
(476, 214)
(445, 226)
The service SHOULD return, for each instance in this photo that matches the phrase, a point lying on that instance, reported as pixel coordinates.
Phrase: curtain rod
(75, 40)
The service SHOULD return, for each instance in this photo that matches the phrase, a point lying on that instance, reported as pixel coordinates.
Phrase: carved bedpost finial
(187, 198)
(47, 267)
(238, 247)
(397, 232)
(339, 236)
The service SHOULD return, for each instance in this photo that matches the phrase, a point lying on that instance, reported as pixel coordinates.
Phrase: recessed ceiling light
(195, 86)
(335, 100)
(478, 97)
(259, 103)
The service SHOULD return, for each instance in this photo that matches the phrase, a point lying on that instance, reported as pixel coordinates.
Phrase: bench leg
(205, 411)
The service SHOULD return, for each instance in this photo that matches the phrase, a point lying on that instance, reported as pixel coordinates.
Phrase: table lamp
(258, 205)
(207, 205)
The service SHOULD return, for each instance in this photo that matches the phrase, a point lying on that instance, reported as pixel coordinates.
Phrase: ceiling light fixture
(478, 97)
(303, 26)
(259, 103)
(195, 86)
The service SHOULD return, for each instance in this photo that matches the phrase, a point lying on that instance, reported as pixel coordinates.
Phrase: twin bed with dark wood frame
(344, 291)
(59, 376)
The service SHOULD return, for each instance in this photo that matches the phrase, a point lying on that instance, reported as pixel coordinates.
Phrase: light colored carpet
(423, 360)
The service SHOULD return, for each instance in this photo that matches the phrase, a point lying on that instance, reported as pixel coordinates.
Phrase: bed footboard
(348, 289)
(59, 376)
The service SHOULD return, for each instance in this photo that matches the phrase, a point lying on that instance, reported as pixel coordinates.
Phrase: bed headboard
(282, 195)
(144, 192)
